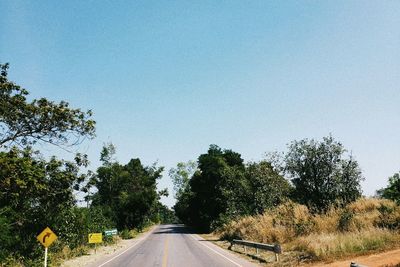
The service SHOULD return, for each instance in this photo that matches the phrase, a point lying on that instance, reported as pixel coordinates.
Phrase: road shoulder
(227, 254)
(104, 253)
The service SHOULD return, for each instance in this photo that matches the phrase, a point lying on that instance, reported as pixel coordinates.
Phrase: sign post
(46, 238)
(45, 257)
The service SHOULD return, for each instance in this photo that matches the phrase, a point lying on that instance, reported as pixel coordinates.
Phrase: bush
(389, 216)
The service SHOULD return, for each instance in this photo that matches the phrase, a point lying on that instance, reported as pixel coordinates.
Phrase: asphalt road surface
(173, 246)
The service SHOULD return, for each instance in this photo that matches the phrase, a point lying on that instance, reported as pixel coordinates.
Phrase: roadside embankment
(366, 226)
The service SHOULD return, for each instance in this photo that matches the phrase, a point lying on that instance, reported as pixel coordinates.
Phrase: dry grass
(335, 245)
(365, 225)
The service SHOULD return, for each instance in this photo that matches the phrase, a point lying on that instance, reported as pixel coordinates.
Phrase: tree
(128, 193)
(25, 123)
(181, 175)
(166, 215)
(392, 191)
(321, 174)
(35, 193)
(268, 188)
(214, 189)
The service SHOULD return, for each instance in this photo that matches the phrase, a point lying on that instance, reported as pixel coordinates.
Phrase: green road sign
(111, 232)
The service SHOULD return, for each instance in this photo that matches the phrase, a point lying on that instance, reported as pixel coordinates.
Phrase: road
(173, 246)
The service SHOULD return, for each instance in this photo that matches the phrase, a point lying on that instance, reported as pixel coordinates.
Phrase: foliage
(268, 188)
(36, 193)
(211, 184)
(181, 175)
(5, 234)
(166, 215)
(321, 174)
(224, 188)
(392, 191)
(128, 192)
(24, 123)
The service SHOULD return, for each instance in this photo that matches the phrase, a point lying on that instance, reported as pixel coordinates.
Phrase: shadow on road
(178, 229)
(174, 229)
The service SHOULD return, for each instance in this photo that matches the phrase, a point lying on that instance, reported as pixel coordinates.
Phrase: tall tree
(127, 192)
(35, 192)
(219, 173)
(321, 173)
(25, 123)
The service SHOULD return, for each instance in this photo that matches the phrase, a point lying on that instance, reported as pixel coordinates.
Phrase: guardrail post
(277, 250)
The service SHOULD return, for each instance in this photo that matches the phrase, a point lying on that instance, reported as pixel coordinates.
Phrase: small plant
(125, 234)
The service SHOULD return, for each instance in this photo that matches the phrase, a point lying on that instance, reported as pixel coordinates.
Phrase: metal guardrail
(276, 248)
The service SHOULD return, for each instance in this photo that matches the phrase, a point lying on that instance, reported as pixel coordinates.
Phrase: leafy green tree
(321, 173)
(214, 188)
(24, 123)
(181, 175)
(392, 191)
(182, 207)
(128, 193)
(35, 193)
(268, 188)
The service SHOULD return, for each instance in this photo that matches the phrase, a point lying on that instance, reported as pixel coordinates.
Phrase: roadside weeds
(103, 251)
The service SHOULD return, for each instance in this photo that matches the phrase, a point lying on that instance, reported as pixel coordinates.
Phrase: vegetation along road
(172, 245)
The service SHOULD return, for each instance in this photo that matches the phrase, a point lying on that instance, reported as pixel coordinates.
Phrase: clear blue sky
(166, 79)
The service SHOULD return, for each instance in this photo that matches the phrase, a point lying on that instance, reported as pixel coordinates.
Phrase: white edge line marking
(237, 264)
(134, 245)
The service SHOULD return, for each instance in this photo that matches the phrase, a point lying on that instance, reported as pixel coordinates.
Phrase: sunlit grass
(361, 227)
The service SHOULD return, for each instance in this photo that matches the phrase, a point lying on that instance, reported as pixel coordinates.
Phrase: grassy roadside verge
(65, 253)
(363, 227)
(124, 235)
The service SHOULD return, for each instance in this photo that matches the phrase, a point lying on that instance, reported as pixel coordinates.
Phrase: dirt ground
(389, 258)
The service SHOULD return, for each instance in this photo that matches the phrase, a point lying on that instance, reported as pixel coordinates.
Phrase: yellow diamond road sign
(46, 237)
(95, 238)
